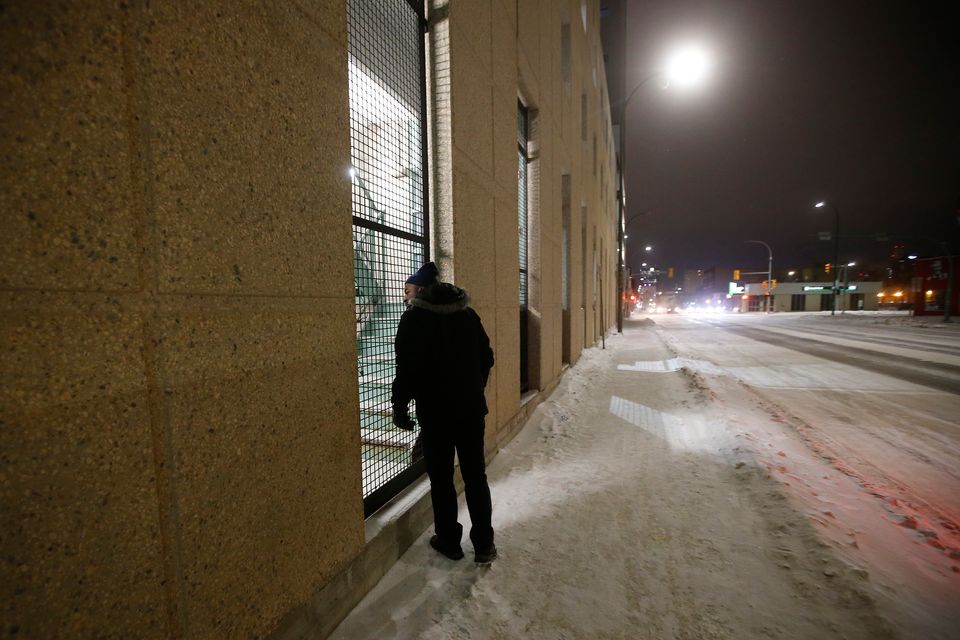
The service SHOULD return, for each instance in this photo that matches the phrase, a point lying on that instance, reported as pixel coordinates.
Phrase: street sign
(851, 287)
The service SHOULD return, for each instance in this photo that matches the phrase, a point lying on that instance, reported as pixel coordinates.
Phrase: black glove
(402, 419)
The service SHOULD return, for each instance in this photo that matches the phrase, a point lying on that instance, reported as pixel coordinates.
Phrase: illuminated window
(389, 202)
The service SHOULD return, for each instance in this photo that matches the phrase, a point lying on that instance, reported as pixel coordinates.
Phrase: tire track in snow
(934, 527)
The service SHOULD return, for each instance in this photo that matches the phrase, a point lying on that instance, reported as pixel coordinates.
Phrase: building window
(583, 270)
(523, 137)
(566, 65)
(583, 117)
(389, 202)
(565, 259)
(594, 155)
(798, 302)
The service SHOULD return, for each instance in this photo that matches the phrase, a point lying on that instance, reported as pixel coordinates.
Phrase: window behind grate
(388, 151)
(523, 136)
(522, 161)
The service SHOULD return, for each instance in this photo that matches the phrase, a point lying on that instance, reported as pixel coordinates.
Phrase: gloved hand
(402, 419)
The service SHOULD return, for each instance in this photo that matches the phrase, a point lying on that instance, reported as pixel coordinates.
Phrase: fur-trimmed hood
(443, 298)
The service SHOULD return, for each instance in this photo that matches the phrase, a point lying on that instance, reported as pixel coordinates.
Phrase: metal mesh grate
(387, 148)
(522, 199)
(523, 131)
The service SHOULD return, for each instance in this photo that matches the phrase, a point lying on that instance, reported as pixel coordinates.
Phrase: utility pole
(769, 272)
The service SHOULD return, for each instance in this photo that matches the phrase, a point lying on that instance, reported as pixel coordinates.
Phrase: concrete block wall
(180, 446)
(496, 52)
(179, 452)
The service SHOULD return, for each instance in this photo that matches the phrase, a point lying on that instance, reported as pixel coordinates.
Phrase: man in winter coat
(443, 361)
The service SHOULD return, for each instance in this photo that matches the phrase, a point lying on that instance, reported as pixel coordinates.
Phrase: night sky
(854, 102)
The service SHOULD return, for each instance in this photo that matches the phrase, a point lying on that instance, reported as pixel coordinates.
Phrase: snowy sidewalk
(628, 507)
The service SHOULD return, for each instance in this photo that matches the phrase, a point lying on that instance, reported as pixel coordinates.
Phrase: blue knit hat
(425, 275)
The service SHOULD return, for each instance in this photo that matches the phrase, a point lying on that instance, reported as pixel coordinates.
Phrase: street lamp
(836, 250)
(769, 268)
(686, 67)
(621, 260)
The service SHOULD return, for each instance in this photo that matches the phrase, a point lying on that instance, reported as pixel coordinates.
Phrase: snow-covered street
(716, 477)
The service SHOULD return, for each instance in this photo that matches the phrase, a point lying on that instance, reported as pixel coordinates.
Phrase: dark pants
(440, 439)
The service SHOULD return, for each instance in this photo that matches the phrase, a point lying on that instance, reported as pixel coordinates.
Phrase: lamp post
(836, 250)
(687, 66)
(769, 268)
(627, 271)
(622, 200)
(846, 284)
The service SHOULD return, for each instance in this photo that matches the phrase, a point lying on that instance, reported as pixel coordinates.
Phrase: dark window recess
(583, 117)
(566, 65)
(523, 131)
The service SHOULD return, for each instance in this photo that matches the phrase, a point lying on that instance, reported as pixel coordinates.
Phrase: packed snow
(687, 482)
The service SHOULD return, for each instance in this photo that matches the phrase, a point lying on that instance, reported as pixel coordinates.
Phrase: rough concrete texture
(471, 100)
(505, 144)
(505, 236)
(262, 481)
(508, 368)
(66, 188)
(80, 526)
(523, 54)
(180, 451)
(473, 233)
(242, 112)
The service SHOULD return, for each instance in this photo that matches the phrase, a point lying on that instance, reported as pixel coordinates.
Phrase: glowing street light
(685, 67)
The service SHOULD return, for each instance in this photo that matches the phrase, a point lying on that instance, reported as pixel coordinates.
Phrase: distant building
(809, 296)
(929, 285)
(692, 281)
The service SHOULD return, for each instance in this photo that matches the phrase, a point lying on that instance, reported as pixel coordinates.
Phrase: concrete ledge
(389, 533)
(528, 403)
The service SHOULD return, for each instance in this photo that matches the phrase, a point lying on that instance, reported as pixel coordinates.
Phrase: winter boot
(485, 556)
(454, 552)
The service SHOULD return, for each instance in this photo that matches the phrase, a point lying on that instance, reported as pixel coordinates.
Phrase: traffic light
(764, 284)
(736, 274)
(827, 267)
(670, 272)
(773, 284)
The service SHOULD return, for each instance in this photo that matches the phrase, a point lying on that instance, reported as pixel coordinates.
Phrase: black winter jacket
(443, 355)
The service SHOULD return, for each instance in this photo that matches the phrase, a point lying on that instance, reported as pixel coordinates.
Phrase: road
(785, 476)
(876, 402)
